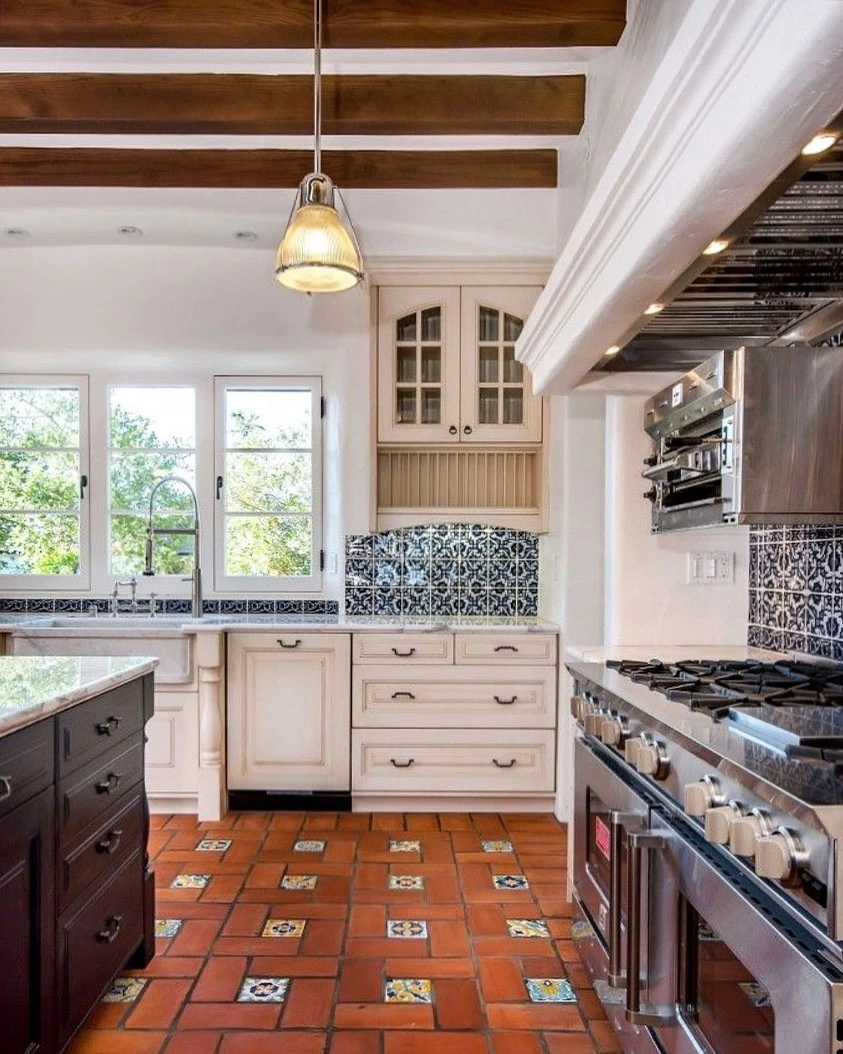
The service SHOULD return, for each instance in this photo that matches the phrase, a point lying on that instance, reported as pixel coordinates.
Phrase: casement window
(44, 518)
(151, 435)
(268, 492)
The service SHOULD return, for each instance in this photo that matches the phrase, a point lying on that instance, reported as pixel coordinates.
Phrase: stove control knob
(612, 731)
(746, 831)
(719, 822)
(631, 748)
(699, 797)
(778, 855)
(592, 722)
(652, 761)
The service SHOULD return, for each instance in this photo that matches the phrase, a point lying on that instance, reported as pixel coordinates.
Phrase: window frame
(57, 584)
(242, 584)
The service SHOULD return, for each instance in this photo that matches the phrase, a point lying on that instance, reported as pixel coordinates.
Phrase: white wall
(648, 599)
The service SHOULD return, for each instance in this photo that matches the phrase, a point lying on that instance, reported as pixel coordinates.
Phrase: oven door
(625, 898)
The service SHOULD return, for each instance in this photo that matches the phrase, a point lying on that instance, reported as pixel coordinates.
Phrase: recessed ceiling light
(245, 236)
(716, 246)
(130, 232)
(821, 141)
(16, 232)
(654, 309)
(615, 348)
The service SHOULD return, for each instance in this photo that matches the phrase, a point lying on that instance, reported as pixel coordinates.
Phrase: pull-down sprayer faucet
(153, 532)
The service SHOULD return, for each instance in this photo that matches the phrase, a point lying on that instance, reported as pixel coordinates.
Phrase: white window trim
(311, 583)
(57, 584)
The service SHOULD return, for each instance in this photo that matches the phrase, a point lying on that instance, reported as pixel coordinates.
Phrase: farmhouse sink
(107, 623)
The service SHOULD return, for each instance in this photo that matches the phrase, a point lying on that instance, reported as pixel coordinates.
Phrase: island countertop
(33, 687)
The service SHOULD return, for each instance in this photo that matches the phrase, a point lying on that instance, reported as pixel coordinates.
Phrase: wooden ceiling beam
(420, 169)
(289, 23)
(238, 104)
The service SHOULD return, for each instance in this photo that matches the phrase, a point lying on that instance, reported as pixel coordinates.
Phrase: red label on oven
(602, 838)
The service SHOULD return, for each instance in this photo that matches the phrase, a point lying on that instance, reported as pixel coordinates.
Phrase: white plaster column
(212, 801)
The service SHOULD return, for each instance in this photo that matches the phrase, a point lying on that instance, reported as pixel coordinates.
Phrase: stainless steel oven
(687, 952)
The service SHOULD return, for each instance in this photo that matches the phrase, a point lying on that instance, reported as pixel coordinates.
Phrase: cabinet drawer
(448, 697)
(457, 761)
(95, 941)
(511, 649)
(87, 795)
(95, 856)
(90, 729)
(403, 648)
(26, 764)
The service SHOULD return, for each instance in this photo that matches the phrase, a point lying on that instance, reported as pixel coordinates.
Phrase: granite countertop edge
(96, 674)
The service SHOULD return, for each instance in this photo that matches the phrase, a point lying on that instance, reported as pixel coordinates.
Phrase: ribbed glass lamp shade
(317, 254)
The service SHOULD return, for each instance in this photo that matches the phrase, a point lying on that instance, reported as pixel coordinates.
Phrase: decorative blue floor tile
(213, 845)
(299, 882)
(406, 882)
(125, 990)
(283, 928)
(497, 846)
(404, 845)
(510, 882)
(550, 990)
(527, 928)
(263, 990)
(309, 846)
(168, 927)
(190, 881)
(408, 990)
(406, 929)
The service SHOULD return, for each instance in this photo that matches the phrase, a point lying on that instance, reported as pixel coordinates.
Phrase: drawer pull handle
(5, 788)
(105, 728)
(295, 643)
(109, 784)
(404, 654)
(506, 647)
(506, 702)
(504, 764)
(112, 928)
(110, 842)
(402, 764)
(404, 695)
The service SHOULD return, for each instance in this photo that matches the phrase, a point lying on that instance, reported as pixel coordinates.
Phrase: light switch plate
(711, 567)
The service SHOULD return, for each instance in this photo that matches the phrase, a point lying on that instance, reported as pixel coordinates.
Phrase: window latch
(83, 482)
(219, 487)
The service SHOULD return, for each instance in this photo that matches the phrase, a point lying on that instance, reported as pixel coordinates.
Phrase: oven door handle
(617, 829)
(638, 844)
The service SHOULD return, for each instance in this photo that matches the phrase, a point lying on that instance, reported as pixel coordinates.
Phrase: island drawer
(410, 648)
(89, 730)
(95, 941)
(26, 764)
(506, 649)
(87, 795)
(449, 697)
(95, 855)
(461, 761)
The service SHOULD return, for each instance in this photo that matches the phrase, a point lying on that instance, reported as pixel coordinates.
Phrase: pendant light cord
(317, 85)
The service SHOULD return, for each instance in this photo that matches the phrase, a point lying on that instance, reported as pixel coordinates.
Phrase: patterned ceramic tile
(408, 990)
(404, 845)
(125, 990)
(406, 928)
(283, 928)
(510, 882)
(213, 845)
(406, 882)
(168, 927)
(263, 990)
(550, 990)
(190, 881)
(309, 846)
(497, 846)
(756, 993)
(527, 928)
(299, 882)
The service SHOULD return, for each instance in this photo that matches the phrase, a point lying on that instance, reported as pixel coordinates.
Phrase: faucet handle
(152, 605)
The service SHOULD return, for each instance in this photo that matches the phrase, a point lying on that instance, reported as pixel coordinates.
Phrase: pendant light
(317, 254)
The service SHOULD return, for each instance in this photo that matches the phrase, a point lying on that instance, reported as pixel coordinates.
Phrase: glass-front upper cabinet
(497, 400)
(419, 365)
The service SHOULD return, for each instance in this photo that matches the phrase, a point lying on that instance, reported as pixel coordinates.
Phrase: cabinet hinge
(321, 559)
(322, 406)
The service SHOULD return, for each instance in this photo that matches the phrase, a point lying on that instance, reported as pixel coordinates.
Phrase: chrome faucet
(115, 596)
(153, 532)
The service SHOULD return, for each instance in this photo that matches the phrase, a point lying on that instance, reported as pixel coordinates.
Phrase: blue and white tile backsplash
(796, 589)
(445, 569)
(168, 606)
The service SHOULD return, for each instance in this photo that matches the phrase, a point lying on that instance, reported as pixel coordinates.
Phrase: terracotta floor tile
(521, 1043)
(604, 1037)
(540, 1017)
(100, 1042)
(220, 980)
(361, 981)
(172, 966)
(245, 920)
(108, 1015)
(502, 980)
(282, 1043)
(448, 939)
(434, 1043)
(323, 937)
(309, 1004)
(431, 968)
(195, 937)
(159, 1004)
(494, 946)
(387, 821)
(367, 920)
(223, 1016)
(295, 966)
(366, 947)
(458, 1005)
(383, 1016)
(566, 1043)
(355, 1043)
(193, 1043)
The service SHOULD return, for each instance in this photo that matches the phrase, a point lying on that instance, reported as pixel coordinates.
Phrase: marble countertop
(34, 687)
(666, 653)
(143, 625)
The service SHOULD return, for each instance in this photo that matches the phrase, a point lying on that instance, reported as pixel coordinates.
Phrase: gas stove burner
(818, 748)
(704, 695)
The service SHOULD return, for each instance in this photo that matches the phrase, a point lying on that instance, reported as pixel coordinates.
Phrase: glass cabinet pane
(513, 406)
(513, 371)
(512, 327)
(488, 366)
(487, 327)
(406, 366)
(405, 406)
(431, 406)
(431, 324)
(488, 406)
(431, 365)
(405, 328)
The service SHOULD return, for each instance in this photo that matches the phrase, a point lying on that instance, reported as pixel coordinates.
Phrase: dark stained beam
(237, 104)
(48, 167)
(289, 23)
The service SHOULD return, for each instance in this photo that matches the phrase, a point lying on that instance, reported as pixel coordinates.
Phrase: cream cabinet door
(497, 400)
(419, 365)
(172, 747)
(289, 711)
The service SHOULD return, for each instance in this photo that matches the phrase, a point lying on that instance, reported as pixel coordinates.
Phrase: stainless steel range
(708, 853)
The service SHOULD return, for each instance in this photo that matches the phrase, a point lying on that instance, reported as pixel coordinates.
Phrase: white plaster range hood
(732, 90)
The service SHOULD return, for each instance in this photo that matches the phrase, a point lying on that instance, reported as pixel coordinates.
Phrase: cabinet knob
(111, 724)
(109, 784)
(111, 841)
(453, 430)
(468, 430)
(112, 928)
